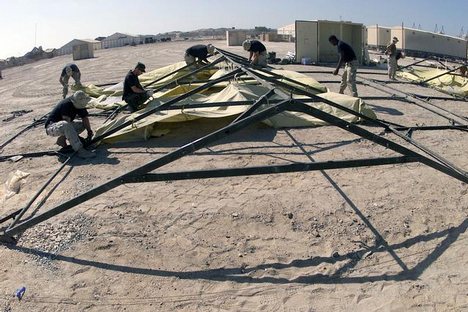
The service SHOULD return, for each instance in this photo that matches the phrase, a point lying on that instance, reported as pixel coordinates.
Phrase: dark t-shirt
(346, 51)
(199, 51)
(131, 80)
(256, 46)
(65, 108)
(73, 67)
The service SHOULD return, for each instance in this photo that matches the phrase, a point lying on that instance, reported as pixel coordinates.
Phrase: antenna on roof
(436, 29)
(442, 31)
(419, 26)
(414, 25)
(462, 32)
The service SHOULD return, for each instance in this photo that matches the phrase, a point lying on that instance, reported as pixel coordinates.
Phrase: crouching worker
(198, 52)
(133, 93)
(60, 123)
(70, 70)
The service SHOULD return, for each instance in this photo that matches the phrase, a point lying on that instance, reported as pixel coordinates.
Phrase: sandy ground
(387, 238)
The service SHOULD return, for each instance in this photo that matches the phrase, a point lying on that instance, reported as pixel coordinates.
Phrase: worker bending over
(70, 70)
(258, 52)
(199, 52)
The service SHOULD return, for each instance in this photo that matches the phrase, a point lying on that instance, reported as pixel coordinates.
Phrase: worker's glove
(149, 92)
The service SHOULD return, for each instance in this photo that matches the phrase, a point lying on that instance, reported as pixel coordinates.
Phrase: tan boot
(83, 153)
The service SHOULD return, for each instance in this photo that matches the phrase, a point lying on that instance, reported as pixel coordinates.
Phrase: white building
(235, 37)
(289, 30)
(120, 40)
(378, 37)
(312, 40)
(424, 43)
(68, 48)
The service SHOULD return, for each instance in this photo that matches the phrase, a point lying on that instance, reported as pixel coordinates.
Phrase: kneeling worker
(60, 123)
(258, 52)
(198, 52)
(70, 70)
(133, 93)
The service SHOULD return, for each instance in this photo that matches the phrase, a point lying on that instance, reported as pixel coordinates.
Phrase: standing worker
(258, 52)
(348, 57)
(133, 93)
(70, 70)
(391, 52)
(60, 123)
(198, 52)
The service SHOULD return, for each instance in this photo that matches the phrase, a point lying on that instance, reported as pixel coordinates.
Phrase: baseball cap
(141, 67)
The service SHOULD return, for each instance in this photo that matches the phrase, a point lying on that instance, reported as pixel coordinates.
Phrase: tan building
(422, 43)
(68, 48)
(378, 37)
(312, 40)
(120, 39)
(235, 37)
(274, 37)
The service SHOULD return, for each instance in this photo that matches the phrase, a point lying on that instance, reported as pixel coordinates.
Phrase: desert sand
(385, 238)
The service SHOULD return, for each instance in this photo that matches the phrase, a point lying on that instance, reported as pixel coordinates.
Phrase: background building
(235, 37)
(120, 39)
(422, 43)
(378, 37)
(68, 48)
(312, 40)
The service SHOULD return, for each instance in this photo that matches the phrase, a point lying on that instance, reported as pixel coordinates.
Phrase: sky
(53, 23)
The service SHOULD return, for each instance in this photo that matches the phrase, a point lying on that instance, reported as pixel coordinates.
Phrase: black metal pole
(32, 125)
(261, 170)
(416, 63)
(175, 82)
(167, 75)
(307, 109)
(440, 75)
(177, 154)
(31, 201)
(164, 106)
(447, 165)
(252, 108)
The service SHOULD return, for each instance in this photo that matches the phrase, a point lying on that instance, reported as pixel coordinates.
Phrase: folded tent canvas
(449, 82)
(233, 90)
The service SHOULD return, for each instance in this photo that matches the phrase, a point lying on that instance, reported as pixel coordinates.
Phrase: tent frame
(253, 115)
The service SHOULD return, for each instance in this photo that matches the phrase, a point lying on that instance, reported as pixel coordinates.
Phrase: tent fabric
(146, 78)
(225, 92)
(143, 129)
(294, 119)
(448, 83)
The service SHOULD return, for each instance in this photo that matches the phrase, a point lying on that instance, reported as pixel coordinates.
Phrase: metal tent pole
(442, 165)
(168, 158)
(164, 106)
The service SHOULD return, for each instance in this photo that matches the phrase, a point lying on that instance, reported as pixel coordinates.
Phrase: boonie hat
(395, 39)
(141, 67)
(80, 99)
